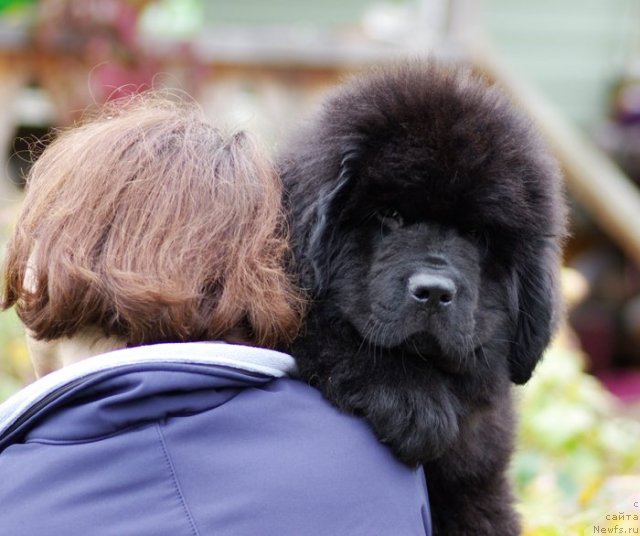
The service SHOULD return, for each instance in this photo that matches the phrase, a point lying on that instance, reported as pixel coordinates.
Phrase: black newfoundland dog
(427, 220)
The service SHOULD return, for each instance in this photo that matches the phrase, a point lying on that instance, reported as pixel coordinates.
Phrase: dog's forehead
(424, 194)
(418, 183)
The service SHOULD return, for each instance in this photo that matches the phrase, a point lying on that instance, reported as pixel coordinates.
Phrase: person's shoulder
(301, 415)
(330, 466)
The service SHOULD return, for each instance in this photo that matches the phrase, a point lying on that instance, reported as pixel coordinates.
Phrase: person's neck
(48, 356)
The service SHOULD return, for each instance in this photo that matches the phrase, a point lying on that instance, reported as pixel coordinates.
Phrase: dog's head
(427, 209)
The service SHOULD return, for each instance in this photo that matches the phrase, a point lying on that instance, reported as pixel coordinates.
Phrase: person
(147, 265)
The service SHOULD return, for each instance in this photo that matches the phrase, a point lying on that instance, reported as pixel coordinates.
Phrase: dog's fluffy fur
(427, 219)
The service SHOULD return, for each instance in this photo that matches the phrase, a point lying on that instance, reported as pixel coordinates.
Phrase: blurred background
(574, 65)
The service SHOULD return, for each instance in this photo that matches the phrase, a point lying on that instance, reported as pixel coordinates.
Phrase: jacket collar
(245, 358)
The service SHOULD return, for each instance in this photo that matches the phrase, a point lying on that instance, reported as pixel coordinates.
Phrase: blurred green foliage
(15, 367)
(8, 5)
(574, 449)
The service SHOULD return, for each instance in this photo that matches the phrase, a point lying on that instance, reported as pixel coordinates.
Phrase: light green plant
(573, 448)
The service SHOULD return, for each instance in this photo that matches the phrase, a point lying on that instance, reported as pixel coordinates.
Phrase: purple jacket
(195, 439)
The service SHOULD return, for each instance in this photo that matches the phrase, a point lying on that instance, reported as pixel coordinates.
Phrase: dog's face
(417, 286)
(418, 289)
(426, 222)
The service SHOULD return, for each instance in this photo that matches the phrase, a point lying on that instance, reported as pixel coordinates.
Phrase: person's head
(146, 224)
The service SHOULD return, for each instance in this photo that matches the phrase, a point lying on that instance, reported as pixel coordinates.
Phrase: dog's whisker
(365, 333)
(404, 364)
(484, 355)
(370, 336)
(500, 339)
(413, 343)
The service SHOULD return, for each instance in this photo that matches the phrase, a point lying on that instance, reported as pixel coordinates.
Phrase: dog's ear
(327, 211)
(538, 308)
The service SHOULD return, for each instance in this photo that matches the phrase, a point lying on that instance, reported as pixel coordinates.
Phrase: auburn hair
(146, 222)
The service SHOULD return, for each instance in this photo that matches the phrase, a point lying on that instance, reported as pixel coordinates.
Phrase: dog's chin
(423, 349)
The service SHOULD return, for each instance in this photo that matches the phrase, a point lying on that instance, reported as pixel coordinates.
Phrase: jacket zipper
(40, 404)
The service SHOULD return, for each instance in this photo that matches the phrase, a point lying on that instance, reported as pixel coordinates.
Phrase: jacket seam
(176, 483)
(85, 440)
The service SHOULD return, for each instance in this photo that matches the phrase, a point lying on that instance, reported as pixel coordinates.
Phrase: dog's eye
(480, 238)
(474, 234)
(390, 218)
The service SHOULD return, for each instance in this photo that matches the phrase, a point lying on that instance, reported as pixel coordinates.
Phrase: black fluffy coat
(423, 173)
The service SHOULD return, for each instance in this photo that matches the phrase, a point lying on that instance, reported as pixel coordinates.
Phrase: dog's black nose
(432, 288)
